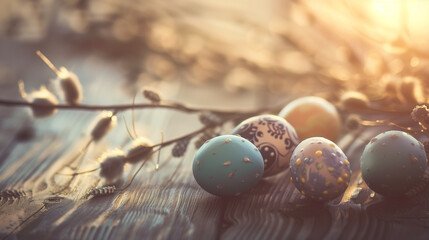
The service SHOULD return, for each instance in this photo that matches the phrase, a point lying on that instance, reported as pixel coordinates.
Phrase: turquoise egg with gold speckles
(319, 169)
(227, 165)
(393, 163)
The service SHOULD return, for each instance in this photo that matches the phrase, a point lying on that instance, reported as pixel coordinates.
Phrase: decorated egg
(313, 117)
(227, 165)
(319, 169)
(393, 163)
(273, 136)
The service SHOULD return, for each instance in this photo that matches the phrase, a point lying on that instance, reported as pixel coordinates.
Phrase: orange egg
(313, 117)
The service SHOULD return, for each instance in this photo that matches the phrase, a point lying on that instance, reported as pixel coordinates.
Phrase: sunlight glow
(386, 12)
(394, 14)
(388, 8)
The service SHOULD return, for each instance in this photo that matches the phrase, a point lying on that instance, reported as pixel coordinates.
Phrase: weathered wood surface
(168, 203)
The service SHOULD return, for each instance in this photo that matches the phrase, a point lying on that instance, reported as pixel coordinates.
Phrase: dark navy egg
(319, 169)
(393, 163)
(227, 165)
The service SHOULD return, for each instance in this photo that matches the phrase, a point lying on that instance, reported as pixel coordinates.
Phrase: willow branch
(198, 131)
(121, 107)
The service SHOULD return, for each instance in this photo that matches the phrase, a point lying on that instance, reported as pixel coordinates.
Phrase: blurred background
(296, 47)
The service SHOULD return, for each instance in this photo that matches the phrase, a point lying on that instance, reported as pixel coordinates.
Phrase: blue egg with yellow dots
(228, 165)
(393, 164)
(319, 169)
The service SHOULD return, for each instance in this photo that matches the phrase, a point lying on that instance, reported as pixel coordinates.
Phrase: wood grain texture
(167, 203)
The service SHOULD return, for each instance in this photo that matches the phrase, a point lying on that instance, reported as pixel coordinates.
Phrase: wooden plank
(168, 203)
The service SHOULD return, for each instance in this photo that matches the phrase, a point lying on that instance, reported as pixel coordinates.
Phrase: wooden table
(165, 203)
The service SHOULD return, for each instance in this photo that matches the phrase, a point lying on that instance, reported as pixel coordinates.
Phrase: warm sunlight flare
(401, 15)
(387, 8)
(387, 13)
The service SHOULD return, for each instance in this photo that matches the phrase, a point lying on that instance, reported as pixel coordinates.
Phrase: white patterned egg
(274, 137)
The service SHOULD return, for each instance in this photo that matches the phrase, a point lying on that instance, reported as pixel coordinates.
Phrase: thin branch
(23, 222)
(191, 134)
(121, 107)
(205, 128)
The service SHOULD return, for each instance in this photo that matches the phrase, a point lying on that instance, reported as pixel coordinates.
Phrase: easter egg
(319, 169)
(393, 163)
(227, 165)
(313, 117)
(274, 137)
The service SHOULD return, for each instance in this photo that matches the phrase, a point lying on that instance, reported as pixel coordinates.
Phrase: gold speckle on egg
(319, 166)
(372, 194)
(332, 145)
(303, 180)
(227, 163)
(246, 160)
(345, 175)
(298, 161)
(231, 174)
(219, 186)
(291, 179)
(394, 136)
(228, 140)
(330, 169)
(340, 180)
(327, 183)
(198, 164)
(302, 192)
(318, 153)
(325, 192)
(413, 159)
(346, 162)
